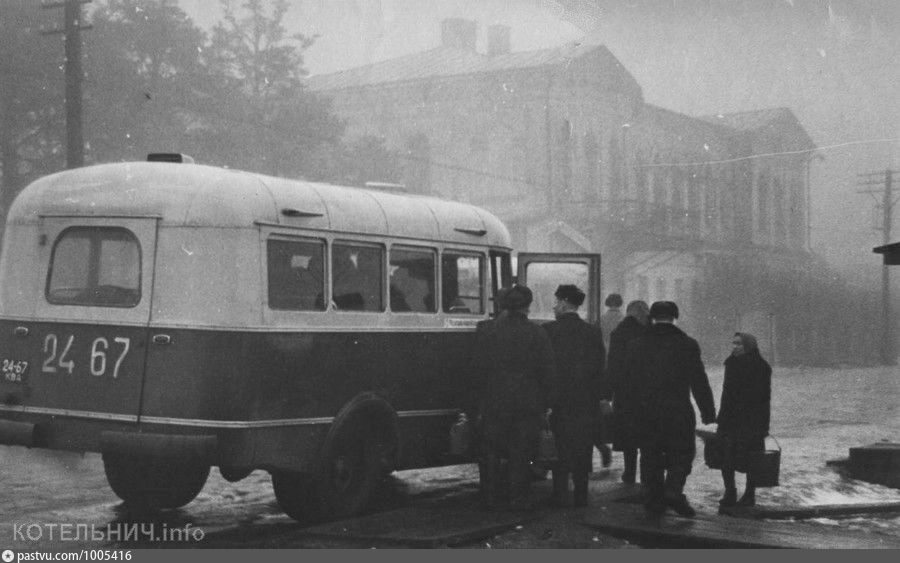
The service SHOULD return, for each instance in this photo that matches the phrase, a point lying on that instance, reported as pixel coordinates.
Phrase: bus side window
(461, 283)
(358, 277)
(412, 280)
(296, 274)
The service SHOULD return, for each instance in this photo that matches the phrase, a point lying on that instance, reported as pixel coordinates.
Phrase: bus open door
(544, 272)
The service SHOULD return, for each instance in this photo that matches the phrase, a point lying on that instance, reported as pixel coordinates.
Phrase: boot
(605, 455)
(490, 482)
(580, 497)
(560, 487)
(749, 497)
(730, 498)
(630, 459)
(680, 505)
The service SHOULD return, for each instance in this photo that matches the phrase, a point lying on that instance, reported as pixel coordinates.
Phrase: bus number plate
(14, 371)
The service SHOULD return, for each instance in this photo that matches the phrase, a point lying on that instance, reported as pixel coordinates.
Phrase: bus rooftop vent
(169, 157)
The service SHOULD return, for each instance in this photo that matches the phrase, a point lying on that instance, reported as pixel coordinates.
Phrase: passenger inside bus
(296, 275)
(357, 278)
(461, 283)
(412, 280)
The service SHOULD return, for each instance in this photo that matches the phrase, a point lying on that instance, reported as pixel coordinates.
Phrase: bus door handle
(162, 339)
(21, 331)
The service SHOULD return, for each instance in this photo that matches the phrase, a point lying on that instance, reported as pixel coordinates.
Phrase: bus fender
(18, 433)
(201, 448)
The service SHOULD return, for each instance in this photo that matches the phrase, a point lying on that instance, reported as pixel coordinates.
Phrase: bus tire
(354, 463)
(296, 495)
(151, 482)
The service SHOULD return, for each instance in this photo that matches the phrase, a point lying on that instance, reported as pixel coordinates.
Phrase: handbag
(764, 466)
(713, 449)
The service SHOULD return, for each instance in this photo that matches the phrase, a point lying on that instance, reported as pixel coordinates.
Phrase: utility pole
(72, 29)
(888, 354)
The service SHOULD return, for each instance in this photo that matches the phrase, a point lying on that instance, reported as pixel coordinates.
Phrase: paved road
(45, 496)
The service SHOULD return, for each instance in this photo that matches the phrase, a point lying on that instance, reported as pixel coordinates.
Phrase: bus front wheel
(354, 462)
(152, 482)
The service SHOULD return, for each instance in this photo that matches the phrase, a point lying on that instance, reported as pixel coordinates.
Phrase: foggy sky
(834, 64)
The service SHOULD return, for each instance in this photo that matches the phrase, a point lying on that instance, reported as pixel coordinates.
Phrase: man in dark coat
(666, 367)
(633, 326)
(514, 366)
(580, 385)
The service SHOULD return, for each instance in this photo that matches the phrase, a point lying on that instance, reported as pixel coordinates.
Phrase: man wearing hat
(580, 385)
(666, 368)
(513, 365)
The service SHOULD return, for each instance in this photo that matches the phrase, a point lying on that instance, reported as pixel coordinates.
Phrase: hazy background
(834, 64)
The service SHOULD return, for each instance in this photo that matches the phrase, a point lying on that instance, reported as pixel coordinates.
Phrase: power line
(771, 154)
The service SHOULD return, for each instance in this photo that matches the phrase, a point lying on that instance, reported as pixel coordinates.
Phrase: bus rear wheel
(296, 494)
(152, 482)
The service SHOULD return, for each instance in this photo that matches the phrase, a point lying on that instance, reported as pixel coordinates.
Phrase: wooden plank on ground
(818, 511)
(631, 522)
(426, 526)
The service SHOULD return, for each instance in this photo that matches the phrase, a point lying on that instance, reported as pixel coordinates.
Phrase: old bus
(175, 317)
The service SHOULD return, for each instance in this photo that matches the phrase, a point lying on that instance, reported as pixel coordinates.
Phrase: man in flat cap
(580, 385)
(513, 365)
(666, 368)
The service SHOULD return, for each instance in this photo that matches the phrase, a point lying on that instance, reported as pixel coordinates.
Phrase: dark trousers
(514, 437)
(575, 448)
(630, 457)
(665, 468)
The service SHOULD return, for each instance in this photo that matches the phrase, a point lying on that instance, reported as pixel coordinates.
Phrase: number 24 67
(56, 356)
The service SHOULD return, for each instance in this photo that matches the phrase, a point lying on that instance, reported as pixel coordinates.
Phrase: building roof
(755, 121)
(450, 61)
(682, 121)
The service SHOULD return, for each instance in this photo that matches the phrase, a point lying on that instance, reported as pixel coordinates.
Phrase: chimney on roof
(497, 40)
(459, 33)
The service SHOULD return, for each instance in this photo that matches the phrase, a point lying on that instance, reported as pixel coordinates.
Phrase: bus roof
(205, 196)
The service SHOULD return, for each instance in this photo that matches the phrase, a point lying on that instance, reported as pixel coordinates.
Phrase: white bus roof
(205, 196)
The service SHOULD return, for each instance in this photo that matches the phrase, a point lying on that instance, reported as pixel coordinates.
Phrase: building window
(762, 202)
(778, 211)
(591, 188)
(643, 288)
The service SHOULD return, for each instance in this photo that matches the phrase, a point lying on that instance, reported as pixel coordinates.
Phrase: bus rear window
(95, 266)
(461, 282)
(296, 274)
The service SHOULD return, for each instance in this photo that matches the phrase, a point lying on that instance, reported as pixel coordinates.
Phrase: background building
(710, 211)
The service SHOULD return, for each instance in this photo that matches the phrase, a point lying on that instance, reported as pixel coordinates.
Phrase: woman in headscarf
(743, 414)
